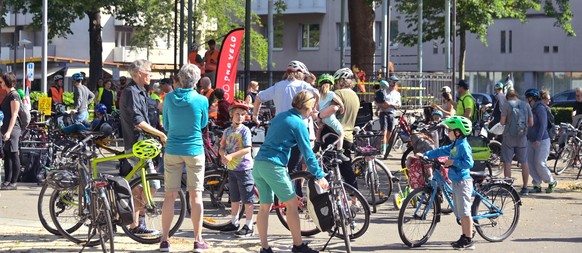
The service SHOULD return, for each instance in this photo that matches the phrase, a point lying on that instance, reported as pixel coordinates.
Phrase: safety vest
(100, 93)
(211, 60)
(213, 108)
(192, 58)
(57, 94)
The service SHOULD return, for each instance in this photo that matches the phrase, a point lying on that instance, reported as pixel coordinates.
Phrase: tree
(361, 18)
(150, 19)
(475, 17)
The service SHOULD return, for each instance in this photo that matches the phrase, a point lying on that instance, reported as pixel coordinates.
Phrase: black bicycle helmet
(62, 179)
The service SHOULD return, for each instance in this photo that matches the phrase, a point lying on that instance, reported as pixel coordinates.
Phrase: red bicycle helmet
(238, 104)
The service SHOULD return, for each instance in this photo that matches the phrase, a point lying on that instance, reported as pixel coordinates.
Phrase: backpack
(476, 108)
(153, 112)
(517, 123)
(123, 199)
(23, 115)
(319, 206)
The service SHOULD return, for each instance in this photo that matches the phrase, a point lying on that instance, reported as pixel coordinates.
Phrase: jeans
(81, 116)
(537, 157)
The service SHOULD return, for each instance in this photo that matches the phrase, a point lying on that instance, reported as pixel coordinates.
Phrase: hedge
(562, 114)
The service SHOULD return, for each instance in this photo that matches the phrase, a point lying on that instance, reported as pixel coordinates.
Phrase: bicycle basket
(147, 149)
(416, 178)
(368, 144)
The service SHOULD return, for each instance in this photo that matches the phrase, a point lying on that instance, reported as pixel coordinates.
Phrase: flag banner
(26, 99)
(228, 62)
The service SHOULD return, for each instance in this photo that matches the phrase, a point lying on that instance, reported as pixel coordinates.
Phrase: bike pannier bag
(319, 206)
(123, 199)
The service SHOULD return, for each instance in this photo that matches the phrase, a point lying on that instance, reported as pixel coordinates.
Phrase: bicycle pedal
(395, 180)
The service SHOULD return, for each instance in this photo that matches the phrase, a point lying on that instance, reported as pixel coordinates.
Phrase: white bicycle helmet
(297, 66)
(57, 77)
(446, 89)
(345, 73)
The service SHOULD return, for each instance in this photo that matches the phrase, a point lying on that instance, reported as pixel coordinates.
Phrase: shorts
(173, 166)
(508, 152)
(272, 179)
(334, 124)
(149, 166)
(462, 192)
(242, 186)
(386, 121)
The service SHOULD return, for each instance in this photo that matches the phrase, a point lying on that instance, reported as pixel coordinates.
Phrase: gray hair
(579, 90)
(189, 75)
(138, 65)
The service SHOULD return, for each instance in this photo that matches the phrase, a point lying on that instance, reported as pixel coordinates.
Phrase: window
(503, 42)
(546, 49)
(379, 32)
(339, 36)
(435, 47)
(123, 38)
(555, 49)
(278, 34)
(510, 41)
(310, 36)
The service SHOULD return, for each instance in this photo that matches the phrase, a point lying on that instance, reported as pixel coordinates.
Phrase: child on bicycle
(235, 149)
(326, 96)
(460, 162)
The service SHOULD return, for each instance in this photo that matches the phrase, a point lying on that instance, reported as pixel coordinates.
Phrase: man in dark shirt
(134, 122)
(577, 107)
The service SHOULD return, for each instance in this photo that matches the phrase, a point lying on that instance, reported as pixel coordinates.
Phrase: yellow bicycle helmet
(147, 149)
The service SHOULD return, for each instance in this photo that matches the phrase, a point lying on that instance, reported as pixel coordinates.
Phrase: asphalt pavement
(548, 223)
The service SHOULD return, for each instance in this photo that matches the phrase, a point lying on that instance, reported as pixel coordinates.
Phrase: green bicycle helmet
(325, 77)
(461, 123)
(147, 149)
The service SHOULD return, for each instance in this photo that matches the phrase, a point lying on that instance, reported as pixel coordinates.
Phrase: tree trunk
(95, 48)
(462, 52)
(361, 18)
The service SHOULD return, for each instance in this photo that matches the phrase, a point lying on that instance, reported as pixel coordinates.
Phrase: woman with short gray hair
(189, 75)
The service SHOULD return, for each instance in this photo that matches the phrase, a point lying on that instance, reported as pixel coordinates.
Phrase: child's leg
(248, 190)
(235, 197)
(249, 211)
(462, 192)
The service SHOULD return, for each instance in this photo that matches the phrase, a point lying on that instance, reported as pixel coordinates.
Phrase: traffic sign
(30, 71)
(44, 105)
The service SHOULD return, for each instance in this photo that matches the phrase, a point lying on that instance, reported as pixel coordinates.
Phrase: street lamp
(23, 43)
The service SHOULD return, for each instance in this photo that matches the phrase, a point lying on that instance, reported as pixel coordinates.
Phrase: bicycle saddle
(478, 176)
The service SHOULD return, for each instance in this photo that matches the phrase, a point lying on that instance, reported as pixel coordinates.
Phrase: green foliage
(68, 98)
(35, 95)
(562, 114)
(476, 16)
(231, 18)
(239, 94)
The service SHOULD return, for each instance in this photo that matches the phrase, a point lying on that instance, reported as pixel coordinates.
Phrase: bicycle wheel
(408, 153)
(495, 158)
(359, 211)
(416, 221)
(383, 181)
(64, 210)
(216, 201)
(153, 212)
(299, 180)
(564, 160)
(506, 202)
(342, 220)
(43, 211)
(103, 223)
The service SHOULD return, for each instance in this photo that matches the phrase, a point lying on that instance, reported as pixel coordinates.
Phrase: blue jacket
(461, 154)
(185, 115)
(539, 130)
(287, 130)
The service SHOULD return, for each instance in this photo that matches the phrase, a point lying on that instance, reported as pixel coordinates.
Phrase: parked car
(482, 98)
(564, 99)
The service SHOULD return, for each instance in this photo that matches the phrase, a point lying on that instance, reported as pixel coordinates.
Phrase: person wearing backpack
(10, 131)
(538, 146)
(466, 104)
(516, 116)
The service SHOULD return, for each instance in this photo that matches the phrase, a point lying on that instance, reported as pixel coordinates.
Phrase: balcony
(7, 53)
(260, 7)
(129, 54)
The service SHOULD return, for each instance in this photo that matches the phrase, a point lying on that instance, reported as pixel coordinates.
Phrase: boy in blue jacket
(460, 162)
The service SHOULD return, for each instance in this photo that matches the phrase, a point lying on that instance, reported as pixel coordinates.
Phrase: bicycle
(145, 196)
(568, 154)
(92, 196)
(495, 206)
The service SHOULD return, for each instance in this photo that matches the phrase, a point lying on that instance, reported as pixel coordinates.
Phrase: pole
(181, 55)
(271, 42)
(388, 32)
(420, 27)
(44, 45)
(175, 36)
(343, 34)
(247, 43)
(448, 36)
(24, 67)
(454, 38)
(385, 38)
(190, 14)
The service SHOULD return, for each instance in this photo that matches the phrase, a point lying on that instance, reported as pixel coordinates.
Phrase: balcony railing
(260, 7)
(7, 53)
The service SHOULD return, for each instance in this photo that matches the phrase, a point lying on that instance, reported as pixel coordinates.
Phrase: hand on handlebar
(322, 182)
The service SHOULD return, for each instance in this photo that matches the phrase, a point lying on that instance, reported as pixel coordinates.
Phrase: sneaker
(303, 248)
(200, 247)
(524, 192)
(268, 250)
(341, 156)
(230, 228)
(536, 189)
(552, 186)
(463, 243)
(9, 187)
(244, 231)
(143, 230)
(165, 246)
